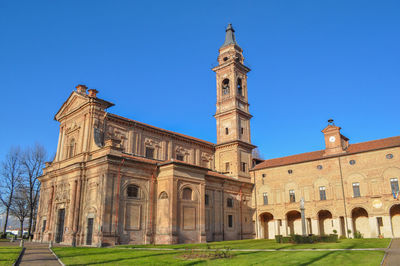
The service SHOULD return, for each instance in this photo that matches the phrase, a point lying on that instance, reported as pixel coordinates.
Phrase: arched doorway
(267, 225)
(395, 219)
(294, 222)
(325, 222)
(360, 221)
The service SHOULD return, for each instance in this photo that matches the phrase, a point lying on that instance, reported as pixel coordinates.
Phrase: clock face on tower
(332, 139)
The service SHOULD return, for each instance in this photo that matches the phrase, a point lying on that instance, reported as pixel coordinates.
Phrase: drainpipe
(117, 199)
(240, 210)
(223, 211)
(255, 199)
(344, 198)
(152, 189)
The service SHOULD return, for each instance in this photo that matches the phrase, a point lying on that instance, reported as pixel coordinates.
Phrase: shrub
(343, 237)
(357, 234)
(286, 239)
(278, 238)
(335, 231)
(299, 239)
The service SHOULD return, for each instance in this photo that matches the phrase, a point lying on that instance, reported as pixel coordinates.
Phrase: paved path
(38, 254)
(393, 253)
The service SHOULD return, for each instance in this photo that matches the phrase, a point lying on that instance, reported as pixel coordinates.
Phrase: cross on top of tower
(229, 36)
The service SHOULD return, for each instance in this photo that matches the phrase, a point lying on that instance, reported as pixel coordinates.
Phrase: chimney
(81, 89)
(93, 93)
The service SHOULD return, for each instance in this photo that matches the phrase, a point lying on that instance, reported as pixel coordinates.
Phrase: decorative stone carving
(62, 193)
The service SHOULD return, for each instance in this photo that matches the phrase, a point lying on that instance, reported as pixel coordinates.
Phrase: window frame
(395, 181)
(265, 198)
(229, 203)
(292, 196)
(152, 152)
(322, 193)
(356, 188)
(184, 195)
(131, 186)
(230, 220)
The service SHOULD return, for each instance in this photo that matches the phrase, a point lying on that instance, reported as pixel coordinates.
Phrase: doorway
(89, 234)
(60, 226)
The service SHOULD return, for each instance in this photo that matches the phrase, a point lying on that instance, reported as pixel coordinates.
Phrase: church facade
(119, 181)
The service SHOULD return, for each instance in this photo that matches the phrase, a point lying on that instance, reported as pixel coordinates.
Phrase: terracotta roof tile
(163, 130)
(318, 155)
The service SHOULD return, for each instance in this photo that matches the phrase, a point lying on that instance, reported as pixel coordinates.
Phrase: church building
(115, 180)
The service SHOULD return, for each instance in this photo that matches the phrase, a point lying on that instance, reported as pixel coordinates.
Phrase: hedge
(299, 239)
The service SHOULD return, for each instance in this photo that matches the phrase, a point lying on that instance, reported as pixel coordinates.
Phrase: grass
(8, 254)
(115, 256)
(271, 244)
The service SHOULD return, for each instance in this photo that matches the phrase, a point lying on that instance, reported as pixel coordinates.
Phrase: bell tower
(233, 150)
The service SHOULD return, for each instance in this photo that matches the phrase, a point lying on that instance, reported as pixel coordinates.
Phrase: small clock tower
(335, 143)
(233, 151)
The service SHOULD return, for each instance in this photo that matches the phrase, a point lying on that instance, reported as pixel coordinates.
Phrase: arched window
(71, 148)
(239, 87)
(225, 87)
(132, 191)
(163, 195)
(187, 194)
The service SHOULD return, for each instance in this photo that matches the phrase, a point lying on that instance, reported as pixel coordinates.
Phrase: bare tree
(10, 177)
(20, 206)
(32, 161)
(256, 154)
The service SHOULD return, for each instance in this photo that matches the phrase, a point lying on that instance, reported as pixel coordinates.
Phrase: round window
(389, 156)
(352, 162)
(319, 167)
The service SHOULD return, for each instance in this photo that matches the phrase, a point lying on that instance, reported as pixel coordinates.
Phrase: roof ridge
(165, 130)
(318, 155)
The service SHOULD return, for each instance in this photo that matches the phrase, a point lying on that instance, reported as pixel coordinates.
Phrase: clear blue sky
(310, 61)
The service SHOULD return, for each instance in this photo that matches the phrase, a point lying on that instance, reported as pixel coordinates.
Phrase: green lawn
(8, 254)
(115, 256)
(271, 244)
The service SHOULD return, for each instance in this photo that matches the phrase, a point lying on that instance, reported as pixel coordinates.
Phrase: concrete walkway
(38, 254)
(392, 256)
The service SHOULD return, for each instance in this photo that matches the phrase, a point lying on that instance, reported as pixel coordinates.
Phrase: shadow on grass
(322, 256)
(131, 260)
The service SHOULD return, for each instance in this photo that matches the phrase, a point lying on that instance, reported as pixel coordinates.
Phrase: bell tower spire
(233, 151)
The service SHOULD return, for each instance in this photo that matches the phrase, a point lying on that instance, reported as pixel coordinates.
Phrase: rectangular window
(226, 131)
(230, 221)
(180, 157)
(322, 193)
(265, 198)
(241, 130)
(44, 226)
(206, 200)
(356, 190)
(229, 202)
(394, 184)
(244, 167)
(227, 167)
(292, 196)
(150, 152)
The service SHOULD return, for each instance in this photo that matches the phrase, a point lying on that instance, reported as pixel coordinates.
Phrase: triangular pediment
(331, 128)
(74, 101)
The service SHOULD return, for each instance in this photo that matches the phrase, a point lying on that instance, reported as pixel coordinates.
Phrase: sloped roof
(318, 155)
(162, 130)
